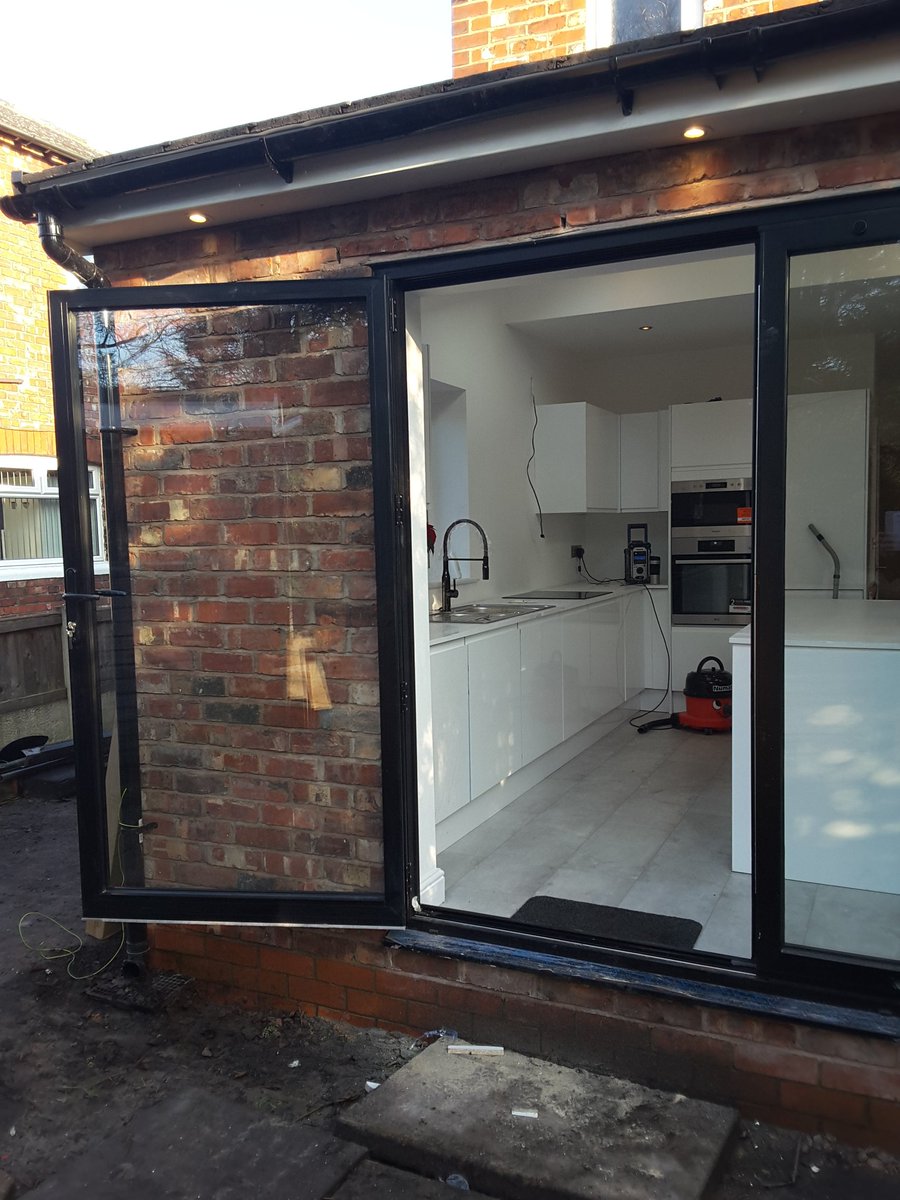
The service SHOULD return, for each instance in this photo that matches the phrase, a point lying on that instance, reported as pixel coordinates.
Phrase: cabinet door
(607, 657)
(713, 435)
(450, 727)
(542, 680)
(576, 636)
(602, 464)
(495, 709)
(636, 609)
(639, 462)
(656, 649)
(827, 484)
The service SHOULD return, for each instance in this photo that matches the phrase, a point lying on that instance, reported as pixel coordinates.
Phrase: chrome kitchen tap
(448, 591)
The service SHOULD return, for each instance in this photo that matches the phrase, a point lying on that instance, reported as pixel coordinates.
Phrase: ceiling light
(645, 328)
(694, 131)
(198, 218)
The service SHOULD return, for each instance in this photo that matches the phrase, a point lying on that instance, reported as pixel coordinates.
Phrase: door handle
(98, 595)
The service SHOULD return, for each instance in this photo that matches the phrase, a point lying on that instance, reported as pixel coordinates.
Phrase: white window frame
(14, 570)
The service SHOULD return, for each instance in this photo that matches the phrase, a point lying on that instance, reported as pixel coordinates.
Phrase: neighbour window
(30, 540)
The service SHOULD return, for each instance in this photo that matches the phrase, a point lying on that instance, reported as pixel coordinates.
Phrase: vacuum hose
(836, 577)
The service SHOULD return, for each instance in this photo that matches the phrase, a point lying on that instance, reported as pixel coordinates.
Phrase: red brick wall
(249, 509)
(792, 1073)
(780, 1071)
(717, 12)
(26, 275)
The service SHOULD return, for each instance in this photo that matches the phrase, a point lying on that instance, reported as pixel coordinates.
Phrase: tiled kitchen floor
(644, 822)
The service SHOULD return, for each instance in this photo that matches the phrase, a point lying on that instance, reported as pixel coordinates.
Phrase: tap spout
(448, 588)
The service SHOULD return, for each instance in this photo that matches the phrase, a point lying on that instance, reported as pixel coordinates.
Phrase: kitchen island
(842, 743)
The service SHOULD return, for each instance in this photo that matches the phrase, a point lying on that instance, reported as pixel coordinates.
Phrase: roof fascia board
(854, 81)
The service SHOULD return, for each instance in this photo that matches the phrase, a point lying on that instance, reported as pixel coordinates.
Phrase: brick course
(797, 1075)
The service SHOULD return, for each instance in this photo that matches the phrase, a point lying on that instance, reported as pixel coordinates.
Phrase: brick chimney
(491, 34)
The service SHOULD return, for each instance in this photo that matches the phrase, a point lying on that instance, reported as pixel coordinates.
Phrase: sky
(122, 74)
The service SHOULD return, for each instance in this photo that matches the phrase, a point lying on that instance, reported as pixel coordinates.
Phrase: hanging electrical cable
(537, 498)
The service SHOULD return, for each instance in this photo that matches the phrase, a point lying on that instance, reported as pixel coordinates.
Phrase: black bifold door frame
(777, 233)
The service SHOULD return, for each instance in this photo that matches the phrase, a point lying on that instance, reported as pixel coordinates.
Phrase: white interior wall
(473, 350)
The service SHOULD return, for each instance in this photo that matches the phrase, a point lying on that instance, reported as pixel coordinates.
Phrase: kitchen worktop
(848, 624)
(440, 632)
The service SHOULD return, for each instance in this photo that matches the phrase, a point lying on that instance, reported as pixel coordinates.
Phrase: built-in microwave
(711, 579)
(719, 507)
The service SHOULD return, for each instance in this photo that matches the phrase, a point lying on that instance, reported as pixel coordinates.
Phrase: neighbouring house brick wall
(786, 1072)
(792, 1073)
(26, 275)
(26, 398)
(489, 35)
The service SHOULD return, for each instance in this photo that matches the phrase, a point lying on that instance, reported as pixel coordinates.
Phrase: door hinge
(399, 509)
(404, 695)
(394, 312)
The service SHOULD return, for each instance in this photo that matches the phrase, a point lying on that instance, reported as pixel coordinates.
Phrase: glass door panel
(842, 603)
(235, 683)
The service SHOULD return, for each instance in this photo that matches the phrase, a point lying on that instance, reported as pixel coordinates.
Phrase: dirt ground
(74, 1067)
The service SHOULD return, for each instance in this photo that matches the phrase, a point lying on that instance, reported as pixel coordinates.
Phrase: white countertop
(440, 632)
(840, 624)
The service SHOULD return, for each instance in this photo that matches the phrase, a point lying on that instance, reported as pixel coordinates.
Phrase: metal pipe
(836, 577)
(51, 234)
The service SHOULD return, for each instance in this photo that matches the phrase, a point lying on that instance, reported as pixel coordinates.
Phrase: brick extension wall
(789, 1073)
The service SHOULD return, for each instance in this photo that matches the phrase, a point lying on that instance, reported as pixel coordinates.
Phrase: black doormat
(600, 920)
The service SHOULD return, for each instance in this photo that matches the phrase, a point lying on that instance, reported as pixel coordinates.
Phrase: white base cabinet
(541, 650)
(593, 664)
(450, 727)
(495, 708)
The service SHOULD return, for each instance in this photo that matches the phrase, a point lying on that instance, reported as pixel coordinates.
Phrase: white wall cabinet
(542, 686)
(591, 460)
(577, 458)
(643, 487)
(450, 727)
(495, 708)
(717, 436)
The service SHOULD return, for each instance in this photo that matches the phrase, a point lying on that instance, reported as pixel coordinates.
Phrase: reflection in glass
(243, 741)
(842, 620)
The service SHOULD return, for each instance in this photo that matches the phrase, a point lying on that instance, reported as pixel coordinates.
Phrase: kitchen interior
(582, 487)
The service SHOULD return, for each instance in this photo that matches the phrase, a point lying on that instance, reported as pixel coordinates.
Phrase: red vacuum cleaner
(707, 695)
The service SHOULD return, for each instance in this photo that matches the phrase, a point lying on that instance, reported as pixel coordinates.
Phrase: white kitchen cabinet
(636, 609)
(715, 436)
(657, 650)
(576, 466)
(593, 664)
(495, 707)
(450, 727)
(542, 686)
(639, 457)
(827, 484)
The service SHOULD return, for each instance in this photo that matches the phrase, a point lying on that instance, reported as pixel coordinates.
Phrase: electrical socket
(577, 551)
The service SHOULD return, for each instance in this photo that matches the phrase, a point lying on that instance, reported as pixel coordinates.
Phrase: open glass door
(829, 396)
(235, 687)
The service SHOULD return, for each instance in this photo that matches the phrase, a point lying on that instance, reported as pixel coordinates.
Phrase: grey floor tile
(798, 905)
(728, 930)
(855, 922)
(674, 896)
(606, 885)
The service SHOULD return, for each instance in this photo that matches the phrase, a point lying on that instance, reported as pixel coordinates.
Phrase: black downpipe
(50, 233)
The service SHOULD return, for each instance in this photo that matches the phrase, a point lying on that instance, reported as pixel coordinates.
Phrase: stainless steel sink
(483, 614)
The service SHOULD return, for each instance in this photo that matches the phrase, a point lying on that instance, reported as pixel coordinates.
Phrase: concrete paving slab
(195, 1144)
(376, 1181)
(594, 1137)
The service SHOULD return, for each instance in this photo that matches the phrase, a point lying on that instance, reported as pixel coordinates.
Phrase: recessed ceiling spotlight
(645, 328)
(693, 132)
(198, 218)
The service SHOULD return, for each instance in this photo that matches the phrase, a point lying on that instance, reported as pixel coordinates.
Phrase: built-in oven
(711, 580)
(717, 507)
